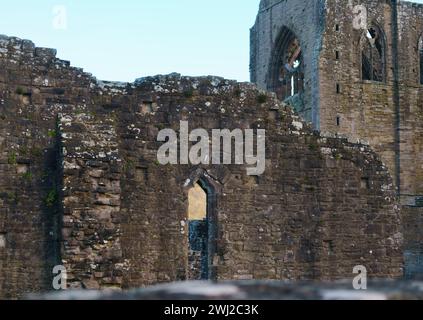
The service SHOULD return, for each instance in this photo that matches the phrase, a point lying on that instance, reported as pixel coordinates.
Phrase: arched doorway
(286, 73)
(202, 234)
(197, 234)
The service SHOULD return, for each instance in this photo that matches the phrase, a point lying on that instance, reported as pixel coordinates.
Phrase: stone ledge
(253, 290)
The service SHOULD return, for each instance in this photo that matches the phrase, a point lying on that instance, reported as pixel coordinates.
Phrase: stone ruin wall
(34, 88)
(366, 109)
(80, 184)
(305, 19)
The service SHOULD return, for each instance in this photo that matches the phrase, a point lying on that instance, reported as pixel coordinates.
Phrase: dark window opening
(338, 88)
(337, 55)
(337, 27)
(329, 247)
(338, 121)
(290, 75)
(373, 55)
(365, 183)
(147, 107)
(287, 69)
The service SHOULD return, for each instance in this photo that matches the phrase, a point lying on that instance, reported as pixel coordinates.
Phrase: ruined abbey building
(359, 80)
(353, 69)
(80, 184)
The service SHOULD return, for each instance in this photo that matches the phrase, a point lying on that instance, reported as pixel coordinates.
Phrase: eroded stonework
(80, 184)
(383, 108)
(362, 69)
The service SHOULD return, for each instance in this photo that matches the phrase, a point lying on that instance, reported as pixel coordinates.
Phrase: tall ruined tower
(352, 68)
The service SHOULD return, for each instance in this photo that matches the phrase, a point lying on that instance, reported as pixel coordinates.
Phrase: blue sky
(126, 39)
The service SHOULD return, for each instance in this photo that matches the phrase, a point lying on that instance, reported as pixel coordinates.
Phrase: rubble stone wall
(388, 114)
(80, 184)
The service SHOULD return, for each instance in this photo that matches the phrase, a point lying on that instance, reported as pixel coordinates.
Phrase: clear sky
(127, 39)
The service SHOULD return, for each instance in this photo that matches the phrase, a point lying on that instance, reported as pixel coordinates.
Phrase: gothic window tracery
(287, 69)
(373, 55)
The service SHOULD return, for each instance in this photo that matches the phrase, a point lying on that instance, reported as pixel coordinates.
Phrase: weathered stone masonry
(81, 186)
(387, 114)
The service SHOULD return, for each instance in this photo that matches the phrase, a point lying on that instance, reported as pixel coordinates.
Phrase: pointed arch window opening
(286, 69)
(373, 55)
(202, 227)
(197, 233)
(291, 75)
